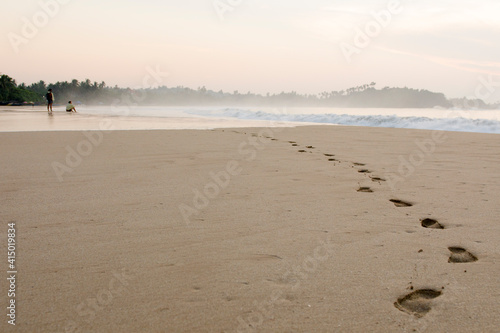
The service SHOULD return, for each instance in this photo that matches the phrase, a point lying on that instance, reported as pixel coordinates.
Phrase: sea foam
(447, 123)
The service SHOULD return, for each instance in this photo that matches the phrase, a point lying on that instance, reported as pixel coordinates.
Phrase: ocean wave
(459, 124)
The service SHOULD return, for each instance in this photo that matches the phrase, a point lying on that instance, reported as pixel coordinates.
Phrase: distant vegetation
(93, 93)
(11, 93)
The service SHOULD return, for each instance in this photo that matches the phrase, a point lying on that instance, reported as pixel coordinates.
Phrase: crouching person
(70, 107)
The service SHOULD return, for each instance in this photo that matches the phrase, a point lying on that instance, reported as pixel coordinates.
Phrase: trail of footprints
(418, 302)
(331, 158)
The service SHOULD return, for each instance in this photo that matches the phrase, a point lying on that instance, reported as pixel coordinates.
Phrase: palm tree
(7, 85)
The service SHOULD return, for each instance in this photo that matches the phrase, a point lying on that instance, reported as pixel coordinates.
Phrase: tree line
(94, 93)
(11, 93)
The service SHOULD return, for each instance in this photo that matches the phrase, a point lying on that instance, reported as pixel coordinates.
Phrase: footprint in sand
(431, 224)
(333, 160)
(329, 155)
(310, 147)
(302, 151)
(418, 302)
(400, 203)
(358, 164)
(294, 145)
(460, 255)
(377, 179)
(364, 171)
(365, 190)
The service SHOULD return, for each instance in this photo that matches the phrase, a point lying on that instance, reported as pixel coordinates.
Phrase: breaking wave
(459, 124)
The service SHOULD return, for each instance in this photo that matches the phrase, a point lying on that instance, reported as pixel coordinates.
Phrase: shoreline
(91, 122)
(179, 118)
(39, 121)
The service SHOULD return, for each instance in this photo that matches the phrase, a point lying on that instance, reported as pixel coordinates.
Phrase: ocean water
(480, 121)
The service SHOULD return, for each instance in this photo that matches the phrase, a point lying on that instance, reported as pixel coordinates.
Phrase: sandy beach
(253, 230)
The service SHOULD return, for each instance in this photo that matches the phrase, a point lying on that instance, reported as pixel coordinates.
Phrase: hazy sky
(309, 46)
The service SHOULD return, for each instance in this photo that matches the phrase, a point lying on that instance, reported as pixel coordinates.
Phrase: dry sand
(282, 241)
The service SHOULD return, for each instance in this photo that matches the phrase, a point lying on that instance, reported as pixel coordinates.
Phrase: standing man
(50, 100)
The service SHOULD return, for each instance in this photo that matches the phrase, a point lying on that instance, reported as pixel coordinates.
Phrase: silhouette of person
(50, 100)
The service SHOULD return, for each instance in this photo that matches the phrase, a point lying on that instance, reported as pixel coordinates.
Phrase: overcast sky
(308, 46)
